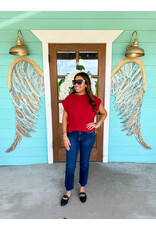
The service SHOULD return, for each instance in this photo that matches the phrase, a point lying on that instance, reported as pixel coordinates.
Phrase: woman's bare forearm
(64, 126)
(102, 118)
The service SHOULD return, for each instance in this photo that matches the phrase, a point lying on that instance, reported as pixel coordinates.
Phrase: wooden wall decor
(26, 86)
(128, 83)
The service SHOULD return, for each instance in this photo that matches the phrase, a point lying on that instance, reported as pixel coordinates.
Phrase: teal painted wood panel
(10, 35)
(79, 24)
(25, 142)
(144, 36)
(77, 14)
(34, 150)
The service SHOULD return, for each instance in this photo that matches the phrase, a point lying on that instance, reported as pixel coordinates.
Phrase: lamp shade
(133, 50)
(20, 49)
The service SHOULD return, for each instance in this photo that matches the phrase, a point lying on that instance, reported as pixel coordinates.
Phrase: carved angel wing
(26, 86)
(128, 84)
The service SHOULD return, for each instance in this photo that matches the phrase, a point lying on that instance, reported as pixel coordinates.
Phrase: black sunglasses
(79, 82)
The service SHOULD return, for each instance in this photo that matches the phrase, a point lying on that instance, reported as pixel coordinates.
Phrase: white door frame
(76, 36)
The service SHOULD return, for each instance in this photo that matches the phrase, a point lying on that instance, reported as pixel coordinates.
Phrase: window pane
(63, 91)
(66, 62)
(60, 81)
(96, 85)
(95, 119)
(89, 59)
(60, 112)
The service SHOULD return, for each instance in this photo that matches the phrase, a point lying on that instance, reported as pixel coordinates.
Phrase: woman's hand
(92, 125)
(67, 143)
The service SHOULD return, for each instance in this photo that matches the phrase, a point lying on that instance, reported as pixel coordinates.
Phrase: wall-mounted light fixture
(133, 50)
(20, 49)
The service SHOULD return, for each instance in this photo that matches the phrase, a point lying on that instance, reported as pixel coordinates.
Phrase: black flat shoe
(83, 197)
(64, 200)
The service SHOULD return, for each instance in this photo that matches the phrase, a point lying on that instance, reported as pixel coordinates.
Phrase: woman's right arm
(64, 129)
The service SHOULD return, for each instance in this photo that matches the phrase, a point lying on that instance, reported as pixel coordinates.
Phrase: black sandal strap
(82, 194)
(65, 197)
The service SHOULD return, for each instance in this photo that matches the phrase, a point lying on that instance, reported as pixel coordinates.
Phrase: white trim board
(76, 36)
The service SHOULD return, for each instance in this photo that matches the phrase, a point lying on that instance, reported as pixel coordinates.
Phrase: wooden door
(63, 59)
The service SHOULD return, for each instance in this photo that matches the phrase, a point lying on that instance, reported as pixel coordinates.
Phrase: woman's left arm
(103, 113)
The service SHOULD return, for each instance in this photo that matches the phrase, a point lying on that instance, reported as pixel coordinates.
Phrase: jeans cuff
(69, 189)
(82, 185)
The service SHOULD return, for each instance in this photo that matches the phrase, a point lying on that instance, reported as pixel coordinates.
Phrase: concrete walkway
(115, 190)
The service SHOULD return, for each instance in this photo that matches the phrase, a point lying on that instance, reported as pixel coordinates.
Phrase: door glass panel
(66, 62)
(60, 112)
(89, 59)
(63, 91)
(59, 81)
(96, 85)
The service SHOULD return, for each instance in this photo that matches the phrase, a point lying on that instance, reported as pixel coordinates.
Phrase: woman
(80, 108)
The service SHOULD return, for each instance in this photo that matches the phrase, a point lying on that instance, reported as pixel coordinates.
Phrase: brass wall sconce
(133, 50)
(20, 49)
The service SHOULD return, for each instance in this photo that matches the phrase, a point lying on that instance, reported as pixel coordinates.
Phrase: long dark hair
(87, 89)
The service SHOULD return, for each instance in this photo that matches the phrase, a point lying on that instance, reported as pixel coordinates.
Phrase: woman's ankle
(68, 193)
(82, 189)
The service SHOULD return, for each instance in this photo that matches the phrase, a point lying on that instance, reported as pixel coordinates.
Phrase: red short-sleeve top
(80, 111)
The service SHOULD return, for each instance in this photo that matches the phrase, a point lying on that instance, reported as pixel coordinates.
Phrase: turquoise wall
(121, 148)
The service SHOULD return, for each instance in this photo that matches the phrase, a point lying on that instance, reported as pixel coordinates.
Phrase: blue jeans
(85, 142)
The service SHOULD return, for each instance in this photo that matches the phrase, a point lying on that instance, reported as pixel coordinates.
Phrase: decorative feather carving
(128, 83)
(26, 86)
